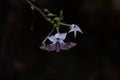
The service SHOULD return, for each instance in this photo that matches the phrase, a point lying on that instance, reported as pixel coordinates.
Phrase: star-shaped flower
(74, 28)
(57, 38)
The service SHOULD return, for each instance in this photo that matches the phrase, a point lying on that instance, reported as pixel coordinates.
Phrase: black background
(96, 56)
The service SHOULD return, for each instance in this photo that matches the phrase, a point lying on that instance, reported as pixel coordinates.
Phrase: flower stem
(43, 42)
(37, 9)
(64, 24)
(57, 28)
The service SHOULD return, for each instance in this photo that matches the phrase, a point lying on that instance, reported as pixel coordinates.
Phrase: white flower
(57, 38)
(74, 28)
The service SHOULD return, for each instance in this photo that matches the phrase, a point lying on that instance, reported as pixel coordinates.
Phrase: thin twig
(64, 24)
(37, 9)
(43, 42)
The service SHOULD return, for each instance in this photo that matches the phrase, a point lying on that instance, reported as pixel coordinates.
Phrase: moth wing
(67, 46)
(58, 47)
(48, 47)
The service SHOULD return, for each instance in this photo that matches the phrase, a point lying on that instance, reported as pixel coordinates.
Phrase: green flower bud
(56, 19)
(51, 15)
(49, 19)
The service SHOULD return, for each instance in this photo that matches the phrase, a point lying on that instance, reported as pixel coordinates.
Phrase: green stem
(43, 42)
(57, 28)
(37, 9)
(64, 24)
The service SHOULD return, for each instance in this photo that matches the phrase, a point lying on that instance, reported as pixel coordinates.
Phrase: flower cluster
(57, 40)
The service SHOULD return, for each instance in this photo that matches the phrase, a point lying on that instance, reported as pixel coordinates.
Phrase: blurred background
(96, 56)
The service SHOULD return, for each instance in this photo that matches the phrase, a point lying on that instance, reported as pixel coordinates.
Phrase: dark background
(96, 56)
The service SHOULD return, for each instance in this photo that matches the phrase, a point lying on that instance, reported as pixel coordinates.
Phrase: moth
(58, 46)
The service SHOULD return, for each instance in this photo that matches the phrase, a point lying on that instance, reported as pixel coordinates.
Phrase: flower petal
(52, 38)
(78, 29)
(57, 35)
(62, 36)
(54, 42)
(71, 30)
(61, 41)
(75, 32)
(72, 26)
